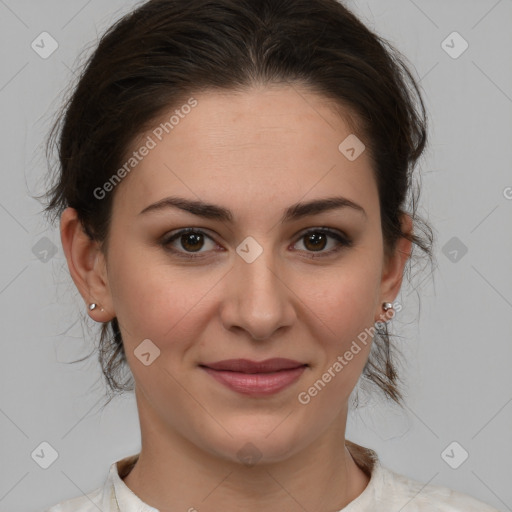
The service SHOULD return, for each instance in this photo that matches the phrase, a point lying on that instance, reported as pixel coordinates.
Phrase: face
(252, 286)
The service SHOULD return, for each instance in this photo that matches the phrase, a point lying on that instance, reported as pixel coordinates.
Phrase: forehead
(266, 143)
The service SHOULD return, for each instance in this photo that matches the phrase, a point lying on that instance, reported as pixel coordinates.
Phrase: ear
(393, 269)
(86, 265)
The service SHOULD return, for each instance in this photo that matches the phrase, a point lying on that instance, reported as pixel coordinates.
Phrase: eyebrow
(215, 212)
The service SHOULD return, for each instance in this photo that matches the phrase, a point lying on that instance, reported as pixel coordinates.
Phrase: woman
(232, 199)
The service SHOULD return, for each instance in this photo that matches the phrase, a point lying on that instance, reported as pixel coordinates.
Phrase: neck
(172, 473)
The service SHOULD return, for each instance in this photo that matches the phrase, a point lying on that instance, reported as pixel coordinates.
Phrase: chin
(251, 444)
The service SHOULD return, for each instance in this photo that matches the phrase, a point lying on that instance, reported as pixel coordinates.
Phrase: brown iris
(316, 240)
(192, 241)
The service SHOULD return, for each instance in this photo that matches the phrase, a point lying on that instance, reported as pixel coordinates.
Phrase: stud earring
(387, 305)
(94, 306)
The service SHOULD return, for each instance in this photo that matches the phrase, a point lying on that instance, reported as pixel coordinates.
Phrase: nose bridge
(256, 268)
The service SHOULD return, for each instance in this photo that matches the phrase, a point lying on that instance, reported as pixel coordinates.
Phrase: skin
(255, 153)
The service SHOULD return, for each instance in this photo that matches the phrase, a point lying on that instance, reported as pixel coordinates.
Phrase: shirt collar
(373, 494)
(128, 501)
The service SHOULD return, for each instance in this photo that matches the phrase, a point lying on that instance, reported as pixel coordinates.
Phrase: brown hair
(165, 50)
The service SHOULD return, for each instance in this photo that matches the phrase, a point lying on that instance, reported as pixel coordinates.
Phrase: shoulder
(415, 496)
(103, 498)
(91, 502)
(389, 490)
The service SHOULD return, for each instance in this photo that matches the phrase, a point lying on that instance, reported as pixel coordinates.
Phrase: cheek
(156, 300)
(344, 311)
(343, 299)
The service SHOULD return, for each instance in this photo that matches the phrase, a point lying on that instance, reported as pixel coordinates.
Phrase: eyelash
(343, 242)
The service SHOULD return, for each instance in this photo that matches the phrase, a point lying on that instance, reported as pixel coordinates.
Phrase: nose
(258, 298)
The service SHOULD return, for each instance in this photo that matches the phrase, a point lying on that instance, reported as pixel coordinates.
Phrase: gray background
(456, 338)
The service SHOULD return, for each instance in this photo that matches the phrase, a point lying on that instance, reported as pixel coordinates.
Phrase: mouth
(255, 378)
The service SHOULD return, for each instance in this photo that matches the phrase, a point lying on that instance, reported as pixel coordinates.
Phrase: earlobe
(86, 265)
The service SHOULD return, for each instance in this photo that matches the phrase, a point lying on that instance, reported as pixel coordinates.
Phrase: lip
(248, 366)
(256, 378)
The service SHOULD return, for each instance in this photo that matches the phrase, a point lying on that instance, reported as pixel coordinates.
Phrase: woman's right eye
(190, 239)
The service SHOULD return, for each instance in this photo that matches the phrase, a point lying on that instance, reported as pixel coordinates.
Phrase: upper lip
(248, 366)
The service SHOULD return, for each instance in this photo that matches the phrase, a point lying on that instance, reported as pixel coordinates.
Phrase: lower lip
(256, 384)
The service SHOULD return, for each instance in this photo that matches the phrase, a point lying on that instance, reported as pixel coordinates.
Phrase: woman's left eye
(315, 240)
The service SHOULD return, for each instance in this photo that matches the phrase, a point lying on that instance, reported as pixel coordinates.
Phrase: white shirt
(386, 491)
